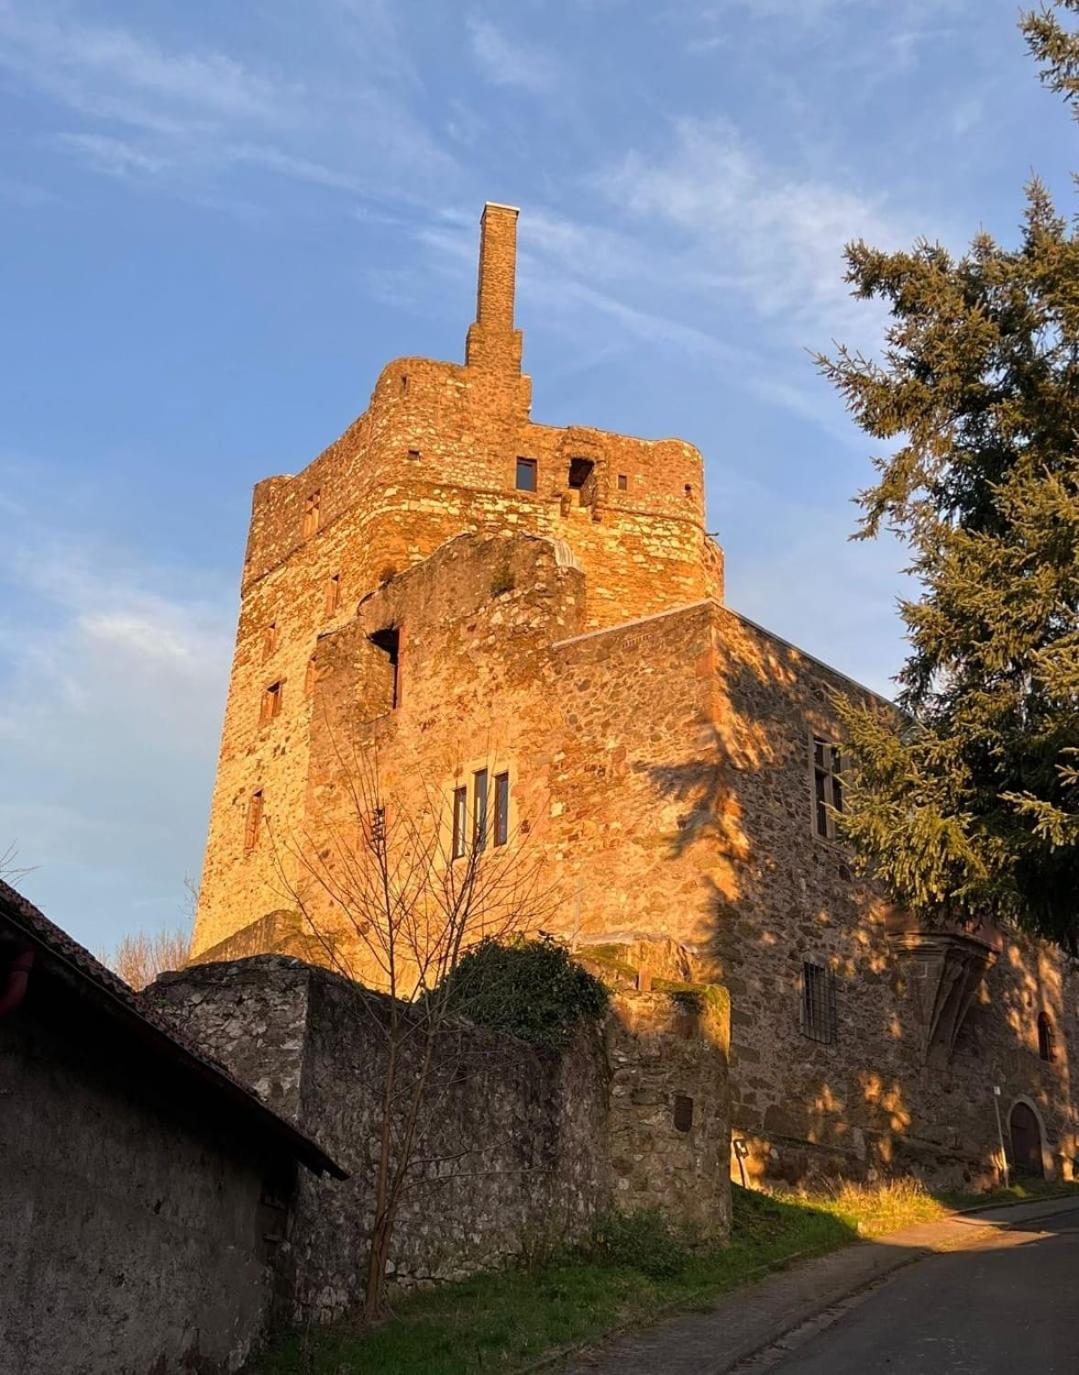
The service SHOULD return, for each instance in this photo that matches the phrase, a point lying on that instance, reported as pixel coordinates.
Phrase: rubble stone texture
(658, 745)
(519, 1149)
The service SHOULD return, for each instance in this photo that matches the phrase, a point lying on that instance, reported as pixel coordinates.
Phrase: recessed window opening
(827, 786)
(526, 474)
(271, 702)
(623, 482)
(388, 640)
(460, 821)
(479, 809)
(818, 1003)
(689, 490)
(683, 1112)
(1046, 1038)
(333, 593)
(312, 510)
(404, 383)
(269, 640)
(253, 820)
(580, 470)
(502, 808)
(310, 681)
(413, 453)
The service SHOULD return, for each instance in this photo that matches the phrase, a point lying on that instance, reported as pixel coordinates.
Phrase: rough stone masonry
(477, 597)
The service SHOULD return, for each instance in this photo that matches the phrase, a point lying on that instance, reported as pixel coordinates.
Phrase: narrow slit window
(460, 821)
(312, 511)
(683, 1112)
(1046, 1038)
(827, 786)
(479, 809)
(253, 820)
(333, 593)
(818, 1003)
(526, 474)
(269, 640)
(271, 702)
(502, 808)
(623, 482)
(388, 640)
(310, 681)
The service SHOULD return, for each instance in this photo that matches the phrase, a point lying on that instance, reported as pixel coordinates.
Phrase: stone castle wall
(520, 1149)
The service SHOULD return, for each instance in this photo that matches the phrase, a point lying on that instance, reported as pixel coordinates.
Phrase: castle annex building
(531, 620)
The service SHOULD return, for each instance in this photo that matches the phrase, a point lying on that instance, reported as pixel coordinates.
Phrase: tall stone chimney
(492, 342)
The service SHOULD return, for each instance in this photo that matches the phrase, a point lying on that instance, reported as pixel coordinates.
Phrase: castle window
(413, 453)
(479, 809)
(827, 786)
(683, 1112)
(333, 593)
(818, 1003)
(580, 470)
(310, 679)
(526, 474)
(502, 808)
(460, 821)
(1046, 1038)
(623, 482)
(388, 640)
(253, 820)
(404, 384)
(311, 513)
(689, 490)
(271, 702)
(269, 640)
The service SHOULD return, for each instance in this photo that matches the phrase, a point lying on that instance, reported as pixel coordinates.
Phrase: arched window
(1046, 1040)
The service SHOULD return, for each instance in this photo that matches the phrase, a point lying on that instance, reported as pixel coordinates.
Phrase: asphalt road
(1006, 1304)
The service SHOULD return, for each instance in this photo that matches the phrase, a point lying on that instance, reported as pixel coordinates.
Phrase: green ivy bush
(532, 989)
(643, 1240)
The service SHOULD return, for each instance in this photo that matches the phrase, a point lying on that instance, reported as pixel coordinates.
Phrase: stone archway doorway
(1026, 1137)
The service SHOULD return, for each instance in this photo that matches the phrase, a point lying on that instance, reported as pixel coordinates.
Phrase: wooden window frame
(825, 785)
(529, 465)
(481, 795)
(459, 842)
(501, 826)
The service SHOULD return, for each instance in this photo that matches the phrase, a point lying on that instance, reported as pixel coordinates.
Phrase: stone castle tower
(528, 623)
(441, 450)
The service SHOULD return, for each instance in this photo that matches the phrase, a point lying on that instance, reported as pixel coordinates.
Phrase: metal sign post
(1000, 1133)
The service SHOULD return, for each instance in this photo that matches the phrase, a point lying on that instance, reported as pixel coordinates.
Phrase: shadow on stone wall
(895, 1072)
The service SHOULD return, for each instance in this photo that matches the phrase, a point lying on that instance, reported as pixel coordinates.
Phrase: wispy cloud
(113, 678)
(774, 236)
(506, 62)
(114, 157)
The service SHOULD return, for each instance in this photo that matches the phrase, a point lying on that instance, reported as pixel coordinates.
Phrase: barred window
(827, 786)
(818, 1003)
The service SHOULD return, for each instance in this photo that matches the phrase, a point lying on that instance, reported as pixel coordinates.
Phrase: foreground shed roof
(22, 924)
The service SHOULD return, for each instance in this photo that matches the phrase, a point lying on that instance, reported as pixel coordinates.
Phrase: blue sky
(217, 222)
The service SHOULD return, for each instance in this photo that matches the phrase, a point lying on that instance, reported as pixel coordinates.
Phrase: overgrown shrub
(644, 1240)
(530, 988)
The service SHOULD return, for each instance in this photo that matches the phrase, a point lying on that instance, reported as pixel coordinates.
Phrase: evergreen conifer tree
(965, 802)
